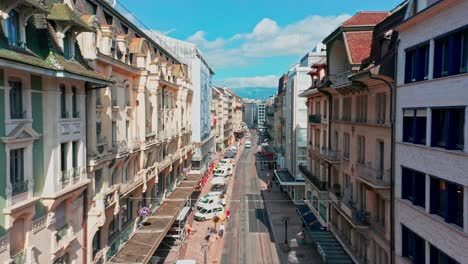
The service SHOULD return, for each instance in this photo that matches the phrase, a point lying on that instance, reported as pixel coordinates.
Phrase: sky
(250, 43)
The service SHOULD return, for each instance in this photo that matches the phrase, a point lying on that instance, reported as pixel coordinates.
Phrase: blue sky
(250, 43)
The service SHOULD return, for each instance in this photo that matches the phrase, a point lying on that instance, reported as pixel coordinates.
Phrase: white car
(209, 212)
(233, 148)
(212, 194)
(223, 172)
(248, 144)
(205, 202)
(225, 161)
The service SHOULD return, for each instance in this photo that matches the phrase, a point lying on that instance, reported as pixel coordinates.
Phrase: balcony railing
(315, 119)
(65, 114)
(18, 114)
(76, 114)
(65, 178)
(19, 187)
(328, 154)
(120, 147)
(360, 217)
(342, 78)
(376, 177)
(319, 184)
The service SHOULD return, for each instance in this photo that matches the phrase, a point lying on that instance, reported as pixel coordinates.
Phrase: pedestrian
(221, 230)
(228, 214)
(189, 230)
(208, 234)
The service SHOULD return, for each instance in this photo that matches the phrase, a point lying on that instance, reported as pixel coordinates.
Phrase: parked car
(212, 194)
(209, 212)
(226, 161)
(223, 172)
(248, 144)
(219, 188)
(205, 202)
(233, 149)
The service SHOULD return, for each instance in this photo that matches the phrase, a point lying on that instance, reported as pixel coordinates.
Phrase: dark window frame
(415, 58)
(411, 186)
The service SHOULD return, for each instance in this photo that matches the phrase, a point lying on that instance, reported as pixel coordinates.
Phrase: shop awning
(144, 242)
(329, 248)
(285, 178)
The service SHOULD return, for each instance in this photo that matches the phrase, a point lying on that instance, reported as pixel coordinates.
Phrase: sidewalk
(278, 206)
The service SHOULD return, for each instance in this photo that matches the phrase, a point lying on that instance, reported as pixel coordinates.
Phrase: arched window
(13, 28)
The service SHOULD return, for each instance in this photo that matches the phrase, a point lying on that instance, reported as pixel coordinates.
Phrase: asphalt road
(249, 239)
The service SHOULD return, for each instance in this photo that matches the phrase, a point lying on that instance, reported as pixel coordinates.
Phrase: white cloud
(267, 39)
(256, 81)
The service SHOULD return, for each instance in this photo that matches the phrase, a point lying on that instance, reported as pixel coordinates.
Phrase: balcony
(76, 114)
(120, 147)
(376, 178)
(360, 217)
(64, 115)
(319, 184)
(19, 187)
(332, 156)
(315, 119)
(342, 79)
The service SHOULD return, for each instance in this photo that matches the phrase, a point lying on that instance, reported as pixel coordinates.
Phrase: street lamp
(285, 221)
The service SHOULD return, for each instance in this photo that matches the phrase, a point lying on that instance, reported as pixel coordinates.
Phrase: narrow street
(251, 239)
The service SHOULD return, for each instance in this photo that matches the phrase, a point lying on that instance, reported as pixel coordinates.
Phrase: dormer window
(92, 7)
(109, 18)
(67, 45)
(13, 28)
(113, 45)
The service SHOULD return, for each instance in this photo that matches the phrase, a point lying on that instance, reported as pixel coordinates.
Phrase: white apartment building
(295, 116)
(261, 115)
(431, 131)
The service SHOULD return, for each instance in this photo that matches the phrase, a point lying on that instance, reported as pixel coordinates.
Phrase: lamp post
(285, 221)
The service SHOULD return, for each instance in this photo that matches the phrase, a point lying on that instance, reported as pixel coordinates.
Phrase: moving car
(248, 144)
(209, 212)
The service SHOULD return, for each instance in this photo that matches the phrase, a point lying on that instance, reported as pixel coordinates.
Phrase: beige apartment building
(356, 149)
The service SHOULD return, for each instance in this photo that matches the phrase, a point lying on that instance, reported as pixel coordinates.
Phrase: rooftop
(365, 18)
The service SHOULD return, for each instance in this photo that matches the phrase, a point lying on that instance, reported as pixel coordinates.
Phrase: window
(446, 200)
(76, 114)
(63, 157)
(98, 181)
(113, 227)
(451, 54)
(114, 133)
(13, 28)
(346, 142)
(381, 107)
(414, 126)
(439, 257)
(109, 19)
(75, 154)
(361, 108)
(124, 28)
(92, 7)
(413, 246)
(18, 183)
(448, 128)
(346, 115)
(336, 109)
(417, 64)
(98, 130)
(413, 186)
(127, 210)
(127, 129)
(317, 108)
(16, 99)
(67, 46)
(361, 149)
(63, 102)
(380, 211)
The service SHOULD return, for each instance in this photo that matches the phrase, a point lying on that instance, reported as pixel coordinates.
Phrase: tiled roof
(359, 45)
(365, 18)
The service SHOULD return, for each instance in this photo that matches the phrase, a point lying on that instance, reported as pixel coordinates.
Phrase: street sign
(144, 211)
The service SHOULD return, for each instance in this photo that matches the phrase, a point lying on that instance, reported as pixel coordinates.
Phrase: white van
(209, 212)
(209, 201)
(248, 144)
(223, 171)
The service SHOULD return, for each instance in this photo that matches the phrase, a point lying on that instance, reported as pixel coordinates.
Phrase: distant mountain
(261, 93)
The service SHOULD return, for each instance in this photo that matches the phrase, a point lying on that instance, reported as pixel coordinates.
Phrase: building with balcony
(431, 160)
(295, 122)
(139, 128)
(43, 83)
(279, 136)
(359, 86)
(217, 127)
(250, 114)
(261, 115)
(201, 75)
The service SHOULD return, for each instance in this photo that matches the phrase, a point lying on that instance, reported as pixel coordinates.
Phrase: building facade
(217, 124)
(431, 186)
(249, 114)
(261, 115)
(43, 86)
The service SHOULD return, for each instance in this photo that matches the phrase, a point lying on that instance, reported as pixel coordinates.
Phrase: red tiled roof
(365, 18)
(359, 45)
